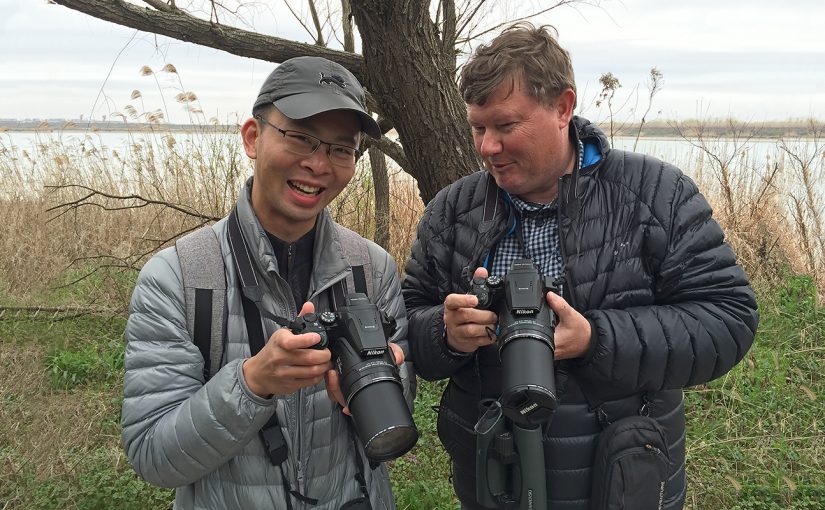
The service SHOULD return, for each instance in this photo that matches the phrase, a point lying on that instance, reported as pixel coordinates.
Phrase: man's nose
(490, 145)
(318, 161)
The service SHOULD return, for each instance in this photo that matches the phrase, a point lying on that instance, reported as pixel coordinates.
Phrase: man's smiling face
(290, 190)
(524, 143)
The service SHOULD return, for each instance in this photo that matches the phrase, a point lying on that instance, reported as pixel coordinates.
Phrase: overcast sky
(752, 59)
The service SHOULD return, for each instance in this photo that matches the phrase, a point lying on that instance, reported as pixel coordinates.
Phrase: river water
(700, 159)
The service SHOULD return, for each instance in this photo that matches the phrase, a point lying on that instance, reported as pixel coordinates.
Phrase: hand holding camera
(285, 365)
(468, 327)
(525, 337)
(365, 365)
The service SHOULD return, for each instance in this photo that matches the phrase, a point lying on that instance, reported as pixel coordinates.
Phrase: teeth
(309, 190)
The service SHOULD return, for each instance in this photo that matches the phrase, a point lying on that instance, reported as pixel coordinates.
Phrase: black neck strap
(251, 288)
(251, 297)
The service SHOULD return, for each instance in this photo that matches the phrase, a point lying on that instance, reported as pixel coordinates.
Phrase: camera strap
(251, 296)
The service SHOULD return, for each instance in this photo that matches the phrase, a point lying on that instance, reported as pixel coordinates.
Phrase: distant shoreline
(658, 129)
(74, 126)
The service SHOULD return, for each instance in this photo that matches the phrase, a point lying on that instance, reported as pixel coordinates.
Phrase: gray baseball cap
(305, 86)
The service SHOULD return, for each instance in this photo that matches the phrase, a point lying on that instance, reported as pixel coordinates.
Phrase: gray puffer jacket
(203, 438)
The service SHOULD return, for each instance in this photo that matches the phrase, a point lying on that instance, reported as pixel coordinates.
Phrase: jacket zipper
(567, 294)
(300, 400)
(300, 415)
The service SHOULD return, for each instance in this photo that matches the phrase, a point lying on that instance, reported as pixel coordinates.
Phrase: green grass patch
(96, 480)
(79, 284)
(59, 334)
(79, 351)
(420, 479)
(755, 436)
(88, 365)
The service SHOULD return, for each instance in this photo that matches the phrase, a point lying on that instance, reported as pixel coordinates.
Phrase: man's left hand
(334, 383)
(572, 330)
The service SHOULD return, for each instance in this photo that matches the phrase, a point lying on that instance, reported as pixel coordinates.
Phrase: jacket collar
(328, 263)
(589, 134)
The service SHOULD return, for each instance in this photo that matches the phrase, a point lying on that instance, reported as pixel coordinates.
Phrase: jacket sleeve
(425, 303)
(175, 428)
(704, 317)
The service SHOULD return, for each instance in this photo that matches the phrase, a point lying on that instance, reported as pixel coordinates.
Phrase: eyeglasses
(304, 145)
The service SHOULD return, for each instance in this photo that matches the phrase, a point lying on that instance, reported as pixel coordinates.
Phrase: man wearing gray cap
(195, 424)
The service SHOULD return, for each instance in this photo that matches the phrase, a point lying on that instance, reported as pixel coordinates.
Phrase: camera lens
(529, 386)
(387, 433)
(370, 380)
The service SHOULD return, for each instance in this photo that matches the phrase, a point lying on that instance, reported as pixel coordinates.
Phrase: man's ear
(564, 106)
(250, 131)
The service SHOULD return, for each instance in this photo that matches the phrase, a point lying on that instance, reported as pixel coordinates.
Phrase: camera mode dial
(327, 318)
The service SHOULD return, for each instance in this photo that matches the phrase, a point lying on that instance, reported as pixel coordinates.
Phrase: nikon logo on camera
(523, 311)
(375, 352)
(529, 408)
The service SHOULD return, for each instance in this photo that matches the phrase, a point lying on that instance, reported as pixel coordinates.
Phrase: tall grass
(83, 207)
(79, 218)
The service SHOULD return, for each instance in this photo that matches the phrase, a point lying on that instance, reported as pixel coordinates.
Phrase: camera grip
(310, 323)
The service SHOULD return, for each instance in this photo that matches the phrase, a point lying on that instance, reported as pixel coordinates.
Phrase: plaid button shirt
(535, 236)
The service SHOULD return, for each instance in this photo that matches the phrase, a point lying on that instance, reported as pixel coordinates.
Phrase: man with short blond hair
(652, 300)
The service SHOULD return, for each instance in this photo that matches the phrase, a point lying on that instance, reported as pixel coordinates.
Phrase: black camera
(357, 336)
(526, 326)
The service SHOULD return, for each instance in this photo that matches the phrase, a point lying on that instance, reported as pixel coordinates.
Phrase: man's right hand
(467, 327)
(286, 364)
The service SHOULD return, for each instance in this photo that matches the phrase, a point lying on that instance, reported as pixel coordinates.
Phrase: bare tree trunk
(381, 188)
(346, 24)
(378, 163)
(412, 79)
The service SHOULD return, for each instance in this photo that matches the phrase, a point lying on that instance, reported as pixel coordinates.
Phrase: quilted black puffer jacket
(645, 263)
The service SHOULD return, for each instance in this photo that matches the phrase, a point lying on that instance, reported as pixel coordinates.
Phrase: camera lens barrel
(382, 420)
(526, 341)
(373, 391)
(528, 380)
(369, 378)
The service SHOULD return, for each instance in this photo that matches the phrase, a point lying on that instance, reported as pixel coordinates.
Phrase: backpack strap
(362, 279)
(204, 285)
(357, 255)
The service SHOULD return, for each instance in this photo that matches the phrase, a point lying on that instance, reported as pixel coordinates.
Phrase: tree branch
(319, 38)
(177, 24)
(75, 204)
(391, 149)
(346, 25)
(448, 31)
(160, 5)
(298, 18)
(498, 26)
(54, 312)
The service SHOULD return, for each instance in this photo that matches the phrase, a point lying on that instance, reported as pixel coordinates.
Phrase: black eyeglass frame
(320, 142)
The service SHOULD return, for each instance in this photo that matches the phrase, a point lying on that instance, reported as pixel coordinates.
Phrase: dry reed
(76, 211)
(72, 206)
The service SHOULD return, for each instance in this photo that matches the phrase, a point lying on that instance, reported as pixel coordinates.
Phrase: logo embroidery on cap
(333, 78)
